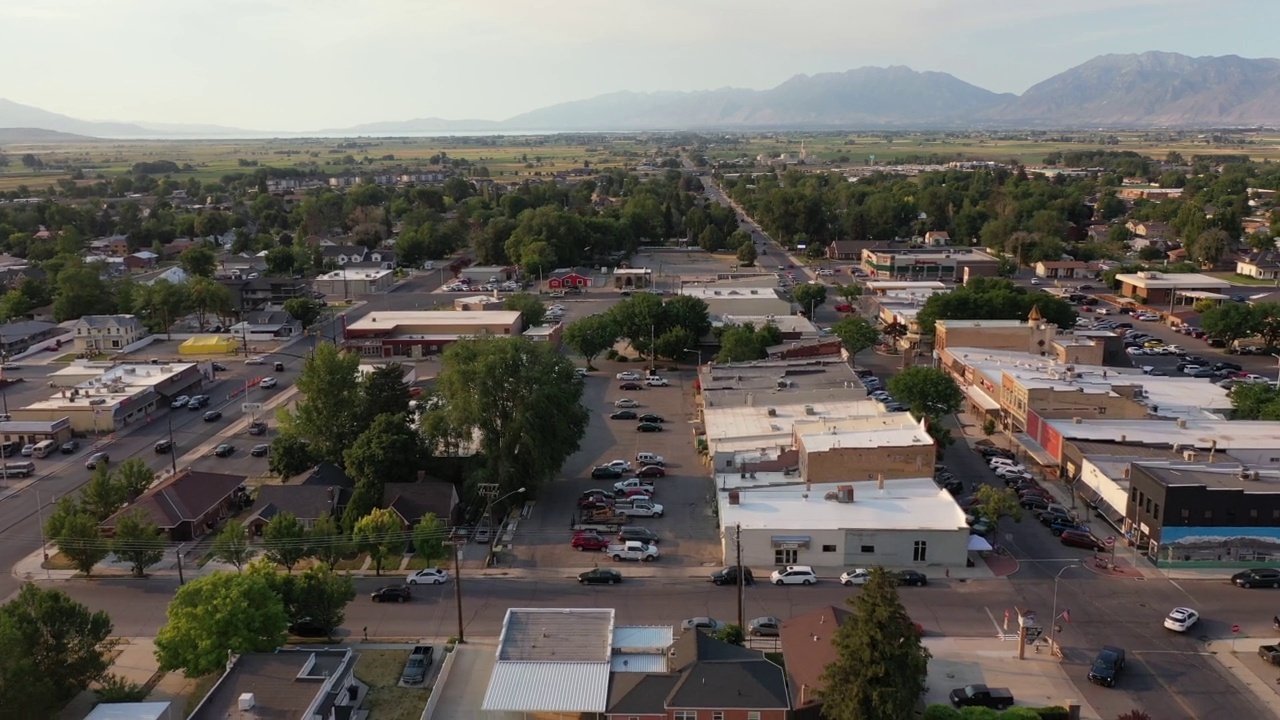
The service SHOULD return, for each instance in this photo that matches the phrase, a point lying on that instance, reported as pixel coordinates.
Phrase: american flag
(1066, 615)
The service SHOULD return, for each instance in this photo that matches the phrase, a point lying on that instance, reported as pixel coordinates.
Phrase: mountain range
(1152, 89)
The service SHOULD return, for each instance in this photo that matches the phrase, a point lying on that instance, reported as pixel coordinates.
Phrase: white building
(900, 524)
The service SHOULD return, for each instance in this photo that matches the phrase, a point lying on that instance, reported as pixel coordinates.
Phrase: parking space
(1038, 681)
(688, 530)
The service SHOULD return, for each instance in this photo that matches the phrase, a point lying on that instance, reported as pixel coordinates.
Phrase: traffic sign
(1033, 633)
(1235, 629)
(250, 407)
(1111, 540)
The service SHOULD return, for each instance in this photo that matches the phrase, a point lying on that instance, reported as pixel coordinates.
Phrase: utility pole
(173, 461)
(741, 572)
(181, 580)
(457, 590)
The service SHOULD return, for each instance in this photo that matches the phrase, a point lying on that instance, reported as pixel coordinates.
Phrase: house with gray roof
(21, 336)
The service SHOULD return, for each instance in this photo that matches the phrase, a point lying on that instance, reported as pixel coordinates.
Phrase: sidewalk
(1244, 663)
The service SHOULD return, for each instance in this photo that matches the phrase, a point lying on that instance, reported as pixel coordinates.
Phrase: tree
(133, 478)
(740, 343)
(929, 392)
(673, 343)
(428, 538)
(53, 648)
(209, 297)
(138, 542)
(747, 253)
(992, 299)
(591, 335)
(1231, 321)
(711, 239)
(198, 261)
(880, 666)
(378, 534)
(284, 540)
(322, 596)
(160, 304)
(216, 615)
(289, 455)
(327, 542)
(687, 312)
(732, 634)
(1209, 247)
(389, 451)
(102, 496)
(1255, 401)
(232, 546)
(327, 416)
(75, 532)
(1268, 314)
(849, 292)
(521, 402)
(809, 296)
(856, 333)
(989, 427)
(531, 309)
(305, 310)
(639, 319)
(80, 291)
(995, 503)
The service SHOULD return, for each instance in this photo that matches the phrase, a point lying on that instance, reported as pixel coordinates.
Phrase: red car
(1081, 539)
(589, 541)
(844, 307)
(651, 471)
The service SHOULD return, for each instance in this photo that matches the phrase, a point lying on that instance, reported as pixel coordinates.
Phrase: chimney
(880, 482)
(734, 498)
(804, 694)
(1181, 423)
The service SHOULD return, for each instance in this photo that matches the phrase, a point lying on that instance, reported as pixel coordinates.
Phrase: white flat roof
(879, 432)
(1173, 280)
(905, 285)
(391, 319)
(360, 274)
(915, 504)
(1198, 433)
(725, 422)
(953, 324)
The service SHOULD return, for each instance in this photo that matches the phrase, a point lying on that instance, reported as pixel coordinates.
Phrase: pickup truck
(632, 550)
(982, 696)
(415, 671)
(639, 507)
(602, 520)
(635, 483)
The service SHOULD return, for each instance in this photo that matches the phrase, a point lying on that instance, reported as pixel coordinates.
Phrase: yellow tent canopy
(208, 345)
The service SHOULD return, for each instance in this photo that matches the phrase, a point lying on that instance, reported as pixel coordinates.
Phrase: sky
(304, 65)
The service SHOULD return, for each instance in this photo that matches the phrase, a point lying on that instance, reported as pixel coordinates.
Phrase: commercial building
(24, 432)
(791, 327)
(479, 302)
(1063, 269)
(481, 274)
(1032, 335)
(628, 278)
(417, 333)
(19, 337)
(552, 661)
(731, 300)
(288, 683)
(96, 334)
(947, 264)
(892, 446)
(1248, 442)
(1163, 289)
(99, 400)
(895, 523)
(354, 283)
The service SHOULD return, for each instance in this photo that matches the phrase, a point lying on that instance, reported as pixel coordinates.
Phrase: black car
(648, 427)
(224, 450)
(729, 576)
(257, 427)
(70, 447)
(164, 446)
(630, 386)
(306, 627)
(391, 593)
(1107, 666)
(600, 576)
(1257, 577)
(1227, 366)
(1049, 519)
(219, 367)
(604, 472)
(260, 450)
(213, 415)
(197, 402)
(911, 577)
(624, 415)
(631, 532)
(990, 451)
(651, 418)
(952, 485)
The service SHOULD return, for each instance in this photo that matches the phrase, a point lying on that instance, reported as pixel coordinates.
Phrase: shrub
(941, 712)
(115, 689)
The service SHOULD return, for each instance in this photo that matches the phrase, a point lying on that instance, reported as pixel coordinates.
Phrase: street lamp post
(457, 566)
(493, 536)
(1053, 619)
(1277, 357)
(696, 352)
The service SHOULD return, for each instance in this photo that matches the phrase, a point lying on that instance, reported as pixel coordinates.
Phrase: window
(828, 548)
(1186, 514)
(1133, 494)
(1208, 514)
(1253, 513)
(1141, 498)
(1156, 515)
(868, 548)
(784, 557)
(686, 715)
(1148, 506)
(920, 551)
(717, 715)
(753, 715)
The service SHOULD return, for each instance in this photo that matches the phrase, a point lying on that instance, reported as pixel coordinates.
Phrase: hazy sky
(312, 64)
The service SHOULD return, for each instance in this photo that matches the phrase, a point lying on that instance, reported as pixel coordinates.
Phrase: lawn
(380, 670)
(1237, 279)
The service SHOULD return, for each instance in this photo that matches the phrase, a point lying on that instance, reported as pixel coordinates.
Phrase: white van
(43, 449)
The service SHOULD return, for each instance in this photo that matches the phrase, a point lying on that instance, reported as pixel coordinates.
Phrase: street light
(697, 352)
(1277, 357)
(457, 565)
(1053, 620)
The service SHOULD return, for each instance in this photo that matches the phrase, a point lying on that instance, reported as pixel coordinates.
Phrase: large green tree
(591, 335)
(232, 546)
(927, 391)
(686, 312)
(880, 666)
(198, 261)
(429, 536)
(1255, 401)
(521, 402)
(740, 343)
(380, 535)
(138, 542)
(640, 319)
(809, 296)
(218, 614)
(328, 542)
(75, 532)
(1231, 321)
(289, 455)
(531, 309)
(328, 414)
(383, 392)
(208, 297)
(284, 540)
(305, 310)
(992, 299)
(856, 333)
(51, 649)
(322, 596)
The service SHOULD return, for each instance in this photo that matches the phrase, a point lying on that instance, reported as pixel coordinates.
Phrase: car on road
(69, 447)
(179, 402)
(857, 576)
(630, 386)
(703, 623)
(213, 415)
(163, 446)
(1081, 539)
(589, 541)
(1106, 666)
(656, 381)
(428, 576)
(260, 450)
(651, 418)
(651, 471)
(267, 383)
(197, 401)
(911, 577)
(628, 375)
(600, 576)
(625, 403)
(224, 450)
(767, 626)
(256, 361)
(623, 415)
(844, 308)
(307, 628)
(1270, 653)
(99, 458)
(219, 367)
(729, 575)
(391, 593)
(794, 575)
(648, 427)
(605, 472)
(257, 427)
(1257, 577)
(1181, 619)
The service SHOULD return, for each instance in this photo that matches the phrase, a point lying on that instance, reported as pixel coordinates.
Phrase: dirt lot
(689, 534)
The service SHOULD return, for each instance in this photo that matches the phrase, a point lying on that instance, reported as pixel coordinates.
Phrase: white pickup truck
(632, 550)
(635, 483)
(638, 507)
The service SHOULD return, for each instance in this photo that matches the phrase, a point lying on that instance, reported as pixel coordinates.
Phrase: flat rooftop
(899, 430)
(284, 684)
(1189, 433)
(888, 285)
(955, 324)
(915, 504)
(1194, 281)
(727, 422)
(392, 319)
(1216, 477)
(355, 274)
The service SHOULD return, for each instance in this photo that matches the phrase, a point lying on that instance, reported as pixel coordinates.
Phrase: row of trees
(993, 299)
(1233, 321)
(652, 327)
(74, 524)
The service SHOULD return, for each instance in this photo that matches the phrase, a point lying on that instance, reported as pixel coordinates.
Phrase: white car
(855, 577)
(1035, 281)
(1181, 619)
(1008, 470)
(619, 465)
(998, 461)
(1103, 311)
(794, 575)
(628, 375)
(428, 576)
(704, 623)
(255, 361)
(1134, 350)
(268, 383)
(179, 402)
(655, 381)
(625, 403)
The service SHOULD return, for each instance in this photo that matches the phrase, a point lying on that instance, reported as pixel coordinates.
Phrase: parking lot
(688, 530)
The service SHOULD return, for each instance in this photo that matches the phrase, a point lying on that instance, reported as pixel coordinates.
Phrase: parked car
(655, 381)
(428, 576)
(794, 575)
(69, 447)
(625, 403)
(765, 627)
(981, 696)
(307, 628)
(584, 541)
(605, 472)
(260, 450)
(703, 623)
(910, 577)
(630, 386)
(651, 471)
(197, 401)
(224, 450)
(648, 427)
(268, 383)
(858, 576)
(415, 669)
(634, 532)
(628, 375)
(651, 418)
(1106, 666)
(600, 576)
(1270, 653)
(729, 575)
(179, 402)
(623, 415)
(391, 593)
(1257, 577)
(1081, 539)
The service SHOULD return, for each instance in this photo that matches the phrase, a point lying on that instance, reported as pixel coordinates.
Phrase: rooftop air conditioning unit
(772, 412)
(808, 410)
(246, 702)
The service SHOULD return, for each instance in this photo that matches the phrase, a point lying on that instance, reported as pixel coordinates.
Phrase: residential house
(175, 248)
(319, 492)
(117, 245)
(187, 505)
(411, 501)
(385, 258)
(263, 325)
(807, 650)
(19, 337)
(1151, 230)
(1063, 269)
(249, 294)
(343, 254)
(12, 278)
(937, 238)
(241, 264)
(140, 261)
(844, 250)
(704, 678)
(1263, 265)
(568, 278)
(106, 333)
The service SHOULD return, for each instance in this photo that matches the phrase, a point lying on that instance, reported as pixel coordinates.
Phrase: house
(628, 278)
(384, 257)
(568, 278)
(411, 501)
(1151, 230)
(96, 334)
(844, 250)
(343, 254)
(11, 278)
(290, 683)
(19, 337)
(1063, 269)
(1264, 265)
(140, 261)
(704, 677)
(319, 492)
(937, 238)
(248, 294)
(186, 506)
(241, 264)
(807, 650)
(415, 333)
(263, 325)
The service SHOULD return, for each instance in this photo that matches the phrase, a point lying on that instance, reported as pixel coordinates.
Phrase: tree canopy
(927, 391)
(219, 613)
(993, 299)
(51, 648)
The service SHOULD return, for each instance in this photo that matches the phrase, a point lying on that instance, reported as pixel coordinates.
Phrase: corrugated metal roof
(639, 663)
(548, 687)
(635, 636)
(556, 635)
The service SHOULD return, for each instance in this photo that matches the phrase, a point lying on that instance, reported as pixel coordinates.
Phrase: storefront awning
(981, 398)
(1033, 449)
(977, 543)
(791, 541)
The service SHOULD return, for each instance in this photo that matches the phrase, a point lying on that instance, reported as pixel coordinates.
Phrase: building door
(784, 556)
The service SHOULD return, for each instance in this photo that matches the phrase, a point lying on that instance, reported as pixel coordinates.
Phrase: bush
(941, 712)
(622, 358)
(116, 689)
(1021, 713)
(1057, 712)
(611, 354)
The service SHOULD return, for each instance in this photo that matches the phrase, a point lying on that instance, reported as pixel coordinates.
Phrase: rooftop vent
(246, 702)
(772, 412)
(808, 410)
(734, 498)
(1181, 423)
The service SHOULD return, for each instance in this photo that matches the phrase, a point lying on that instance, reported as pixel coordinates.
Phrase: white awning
(977, 543)
(981, 398)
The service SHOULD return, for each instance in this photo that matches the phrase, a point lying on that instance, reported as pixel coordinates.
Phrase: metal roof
(633, 637)
(639, 663)
(552, 660)
(548, 687)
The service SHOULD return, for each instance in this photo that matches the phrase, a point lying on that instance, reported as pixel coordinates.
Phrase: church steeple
(1034, 316)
